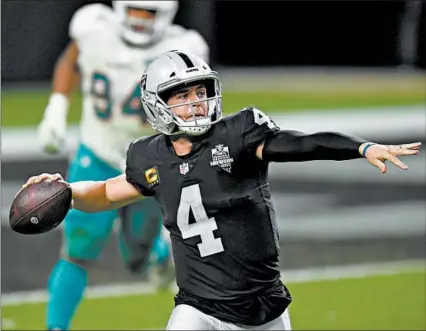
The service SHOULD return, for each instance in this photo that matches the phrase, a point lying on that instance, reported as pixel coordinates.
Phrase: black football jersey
(216, 203)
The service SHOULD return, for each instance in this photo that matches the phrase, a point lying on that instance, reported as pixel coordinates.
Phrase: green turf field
(393, 302)
(26, 108)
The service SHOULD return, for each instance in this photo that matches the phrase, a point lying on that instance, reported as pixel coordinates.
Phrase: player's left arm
(295, 146)
(261, 136)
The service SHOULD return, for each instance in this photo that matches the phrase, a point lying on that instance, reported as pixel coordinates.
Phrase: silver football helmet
(173, 70)
(149, 24)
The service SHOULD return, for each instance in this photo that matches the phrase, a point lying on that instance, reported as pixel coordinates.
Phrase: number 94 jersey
(217, 206)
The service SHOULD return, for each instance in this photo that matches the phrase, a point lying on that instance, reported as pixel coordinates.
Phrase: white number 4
(261, 118)
(191, 199)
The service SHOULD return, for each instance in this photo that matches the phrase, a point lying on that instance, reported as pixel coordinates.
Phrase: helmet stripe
(186, 59)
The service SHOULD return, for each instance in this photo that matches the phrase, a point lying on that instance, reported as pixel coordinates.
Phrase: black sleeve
(134, 168)
(257, 126)
(293, 146)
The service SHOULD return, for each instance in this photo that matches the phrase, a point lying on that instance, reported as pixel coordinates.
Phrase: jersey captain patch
(221, 157)
(152, 177)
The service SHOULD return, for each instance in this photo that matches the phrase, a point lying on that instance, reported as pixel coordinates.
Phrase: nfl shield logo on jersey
(184, 168)
(221, 158)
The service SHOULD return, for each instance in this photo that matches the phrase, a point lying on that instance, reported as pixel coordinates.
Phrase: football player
(109, 49)
(209, 174)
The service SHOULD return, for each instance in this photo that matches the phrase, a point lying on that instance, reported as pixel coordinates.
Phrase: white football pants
(185, 317)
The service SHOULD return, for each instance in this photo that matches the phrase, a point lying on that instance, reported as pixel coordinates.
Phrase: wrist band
(365, 148)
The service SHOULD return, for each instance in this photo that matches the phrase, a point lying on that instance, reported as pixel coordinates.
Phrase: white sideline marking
(288, 276)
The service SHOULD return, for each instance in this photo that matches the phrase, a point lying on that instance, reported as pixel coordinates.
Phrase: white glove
(51, 131)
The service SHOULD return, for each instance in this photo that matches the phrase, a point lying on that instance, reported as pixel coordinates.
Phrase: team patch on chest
(221, 157)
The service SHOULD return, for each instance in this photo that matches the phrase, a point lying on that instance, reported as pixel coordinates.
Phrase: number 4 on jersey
(203, 226)
(261, 118)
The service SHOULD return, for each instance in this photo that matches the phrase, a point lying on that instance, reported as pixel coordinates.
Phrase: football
(40, 207)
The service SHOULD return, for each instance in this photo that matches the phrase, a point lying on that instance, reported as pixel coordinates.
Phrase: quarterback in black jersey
(210, 176)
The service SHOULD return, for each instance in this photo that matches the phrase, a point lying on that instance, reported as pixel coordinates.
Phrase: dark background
(241, 33)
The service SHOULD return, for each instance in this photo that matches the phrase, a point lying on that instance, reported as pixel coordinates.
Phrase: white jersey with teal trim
(110, 73)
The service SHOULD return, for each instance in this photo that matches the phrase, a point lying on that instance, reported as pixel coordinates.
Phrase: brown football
(40, 207)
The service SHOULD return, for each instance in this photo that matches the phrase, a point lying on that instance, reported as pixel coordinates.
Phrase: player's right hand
(51, 132)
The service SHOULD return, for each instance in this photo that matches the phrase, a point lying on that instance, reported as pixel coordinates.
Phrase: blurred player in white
(109, 49)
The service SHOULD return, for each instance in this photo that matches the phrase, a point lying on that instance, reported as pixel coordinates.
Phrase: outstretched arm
(295, 146)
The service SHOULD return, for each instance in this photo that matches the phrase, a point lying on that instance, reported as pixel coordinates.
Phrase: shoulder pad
(190, 41)
(252, 115)
(146, 140)
(174, 30)
(247, 108)
(238, 113)
(244, 111)
(143, 139)
(140, 140)
(198, 44)
(88, 19)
